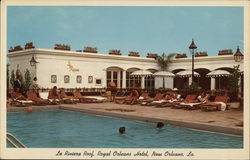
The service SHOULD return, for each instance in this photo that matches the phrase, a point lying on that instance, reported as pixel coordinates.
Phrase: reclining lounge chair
(17, 99)
(83, 99)
(220, 103)
(38, 101)
(147, 101)
(190, 98)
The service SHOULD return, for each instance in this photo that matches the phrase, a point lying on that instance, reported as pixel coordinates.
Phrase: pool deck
(228, 122)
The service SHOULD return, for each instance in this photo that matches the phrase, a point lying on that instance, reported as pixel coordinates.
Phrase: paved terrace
(229, 121)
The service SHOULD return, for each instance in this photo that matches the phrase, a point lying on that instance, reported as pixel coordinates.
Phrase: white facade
(96, 65)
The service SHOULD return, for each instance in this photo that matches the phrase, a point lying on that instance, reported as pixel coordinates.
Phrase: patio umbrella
(218, 73)
(143, 74)
(187, 74)
(163, 74)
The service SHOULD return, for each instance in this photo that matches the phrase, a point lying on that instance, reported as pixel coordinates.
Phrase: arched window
(114, 74)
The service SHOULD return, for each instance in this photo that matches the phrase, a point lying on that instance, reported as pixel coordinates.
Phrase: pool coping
(185, 124)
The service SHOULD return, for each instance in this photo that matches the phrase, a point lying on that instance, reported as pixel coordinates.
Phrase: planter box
(181, 56)
(152, 55)
(134, 54)
(115, 52)
(90, 49)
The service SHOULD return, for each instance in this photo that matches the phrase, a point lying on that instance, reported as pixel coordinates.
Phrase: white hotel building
(71, 69)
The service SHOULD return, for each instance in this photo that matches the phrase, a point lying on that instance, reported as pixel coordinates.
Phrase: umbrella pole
(163, 82)
(219, 82)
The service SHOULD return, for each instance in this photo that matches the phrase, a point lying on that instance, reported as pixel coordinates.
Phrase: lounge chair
(190, 98)
(17, 99)
(98, 99)
(83, 99)
(44, 95)
(220, 103)
(167, 100)
(38, 101)
(195, 105)
(147, 101)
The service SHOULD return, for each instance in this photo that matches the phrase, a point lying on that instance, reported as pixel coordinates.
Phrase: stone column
(124, 79)
(142, 82)
(111, 76)
(118, 79)
(212, 83)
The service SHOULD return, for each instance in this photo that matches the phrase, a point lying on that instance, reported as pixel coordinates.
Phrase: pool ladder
(14, 142)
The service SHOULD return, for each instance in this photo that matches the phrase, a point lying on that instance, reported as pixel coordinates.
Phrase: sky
(142, 29)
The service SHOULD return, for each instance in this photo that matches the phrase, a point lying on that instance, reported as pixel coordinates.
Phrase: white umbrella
(141, 73)
(187, 74)
(218, 73)
(163, 74)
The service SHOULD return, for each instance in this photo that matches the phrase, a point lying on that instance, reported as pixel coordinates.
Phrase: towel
(223, 105)
(160, 101)
(140, 97)
(178, 96)
(23, 101)
(189, 104)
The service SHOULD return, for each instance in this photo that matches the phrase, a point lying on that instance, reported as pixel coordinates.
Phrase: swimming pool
(65, 129)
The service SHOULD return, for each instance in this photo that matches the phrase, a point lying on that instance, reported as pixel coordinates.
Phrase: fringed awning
(187, 74)
(164, 74)
(141, 73)
(218, 73)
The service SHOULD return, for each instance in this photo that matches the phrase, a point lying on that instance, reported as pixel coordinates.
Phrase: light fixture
(238, 56)
(33, 62)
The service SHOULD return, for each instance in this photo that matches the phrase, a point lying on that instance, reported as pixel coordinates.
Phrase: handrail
(14, 141)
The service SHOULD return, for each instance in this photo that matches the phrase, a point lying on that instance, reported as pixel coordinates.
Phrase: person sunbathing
(131, 99)
(134, 97)
(18, 96)
(170, 97)
(54, 95)
(203, 97)
(66, 98)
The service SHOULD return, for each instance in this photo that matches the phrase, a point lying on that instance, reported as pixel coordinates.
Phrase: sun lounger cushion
(219, 102)
(189, 104)
(98, 99)
(25, 101)
(44, 95)
(189, 98)
(158, 102)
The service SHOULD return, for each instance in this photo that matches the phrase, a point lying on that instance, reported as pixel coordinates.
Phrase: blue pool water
(63, 129)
